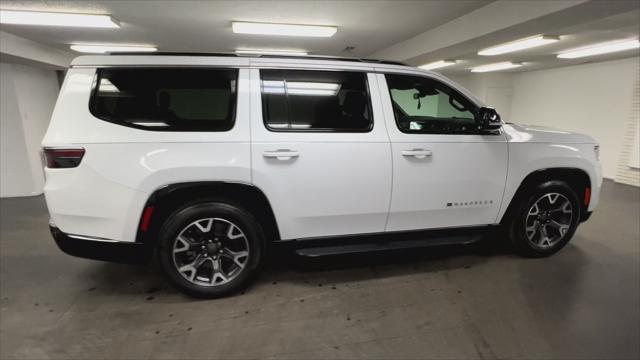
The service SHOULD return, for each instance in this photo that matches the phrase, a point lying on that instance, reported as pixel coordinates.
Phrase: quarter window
(426, 106)
(168, 99)
(301, 100)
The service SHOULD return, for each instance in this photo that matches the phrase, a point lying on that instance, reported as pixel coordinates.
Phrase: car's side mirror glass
(489, 119)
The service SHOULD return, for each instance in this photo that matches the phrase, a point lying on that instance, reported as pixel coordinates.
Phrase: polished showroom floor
(471, 302)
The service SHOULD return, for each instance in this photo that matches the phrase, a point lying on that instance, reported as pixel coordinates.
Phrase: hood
(543, 134)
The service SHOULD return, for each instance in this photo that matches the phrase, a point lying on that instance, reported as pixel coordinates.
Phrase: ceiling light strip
(605, 48)
(102, 48)
(518, 45)
(438, 64)
(282, 52)
(496, 67)
(240, 27)
(57, 19)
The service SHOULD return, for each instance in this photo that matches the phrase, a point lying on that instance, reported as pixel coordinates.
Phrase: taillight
(62, 158)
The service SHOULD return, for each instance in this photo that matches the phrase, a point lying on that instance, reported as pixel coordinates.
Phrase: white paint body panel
(341, 183)
(459, 184)
(104, 196)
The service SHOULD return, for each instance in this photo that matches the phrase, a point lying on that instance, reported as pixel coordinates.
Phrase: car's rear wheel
(210, 249)
(546, 221)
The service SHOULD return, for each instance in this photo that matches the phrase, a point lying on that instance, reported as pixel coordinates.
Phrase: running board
(318, 247)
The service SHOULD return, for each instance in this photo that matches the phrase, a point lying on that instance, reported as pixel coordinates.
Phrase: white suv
(206, 160)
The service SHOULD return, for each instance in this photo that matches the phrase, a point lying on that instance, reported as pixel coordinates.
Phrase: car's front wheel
(546, 220)
(210, 249)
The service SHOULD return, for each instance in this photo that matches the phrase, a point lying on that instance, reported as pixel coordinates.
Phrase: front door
(446, 173)
(320, 152)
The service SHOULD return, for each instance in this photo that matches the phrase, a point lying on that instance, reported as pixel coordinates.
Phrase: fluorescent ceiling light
(271, 52)
(600, 49)
(282, 29)
(496, 67)
(300, 88)
(101, 49)
(437, 64)
(518, 45)
(57, 19)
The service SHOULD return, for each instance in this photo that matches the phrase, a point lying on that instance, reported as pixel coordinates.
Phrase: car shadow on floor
(283, 265)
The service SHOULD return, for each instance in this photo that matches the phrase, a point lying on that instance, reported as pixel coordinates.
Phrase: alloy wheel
(548, 220)
(210, 252)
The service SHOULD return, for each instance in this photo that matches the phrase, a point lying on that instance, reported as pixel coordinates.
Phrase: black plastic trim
(373, 242)
(120, 252)
(535, 177)
(157, 198)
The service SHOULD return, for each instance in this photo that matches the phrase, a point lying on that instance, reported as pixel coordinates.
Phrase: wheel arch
(577, 179)
(165, 201)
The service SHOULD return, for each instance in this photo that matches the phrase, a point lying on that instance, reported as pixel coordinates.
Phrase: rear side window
(168, 99)
(307, 100)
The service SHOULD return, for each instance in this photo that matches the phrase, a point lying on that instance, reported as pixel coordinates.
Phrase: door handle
(417, 153)
(281, 154)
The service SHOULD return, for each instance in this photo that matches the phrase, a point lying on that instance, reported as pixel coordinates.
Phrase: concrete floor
(473, 302)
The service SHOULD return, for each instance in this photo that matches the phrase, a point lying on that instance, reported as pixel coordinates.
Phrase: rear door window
(167, 99)
(317, 101)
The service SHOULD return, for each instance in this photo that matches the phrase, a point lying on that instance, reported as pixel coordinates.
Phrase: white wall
(594, 99)
(28, 95)
(494, 89)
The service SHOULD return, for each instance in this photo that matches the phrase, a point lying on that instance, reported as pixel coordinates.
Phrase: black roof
(313, 57)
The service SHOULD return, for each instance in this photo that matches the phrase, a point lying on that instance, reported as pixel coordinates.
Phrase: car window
(167, 99)
(303, 100)
(426, 106)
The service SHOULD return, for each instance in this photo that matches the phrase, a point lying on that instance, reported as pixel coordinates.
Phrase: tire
(210, 240)
(545, 211)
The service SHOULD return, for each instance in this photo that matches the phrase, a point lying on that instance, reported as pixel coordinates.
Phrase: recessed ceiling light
(271, 52)
(57, 19)
(496, 67)
(282, 29)
(438, 64)
(101, 48)
(600, 49)
(521, 44)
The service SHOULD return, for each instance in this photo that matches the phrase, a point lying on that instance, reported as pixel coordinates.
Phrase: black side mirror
(489, 119)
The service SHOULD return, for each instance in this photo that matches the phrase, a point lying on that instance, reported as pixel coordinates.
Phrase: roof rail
(313, 57)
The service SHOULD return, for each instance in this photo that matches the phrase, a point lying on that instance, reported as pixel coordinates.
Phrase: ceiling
(205, 26)
(590, 23)
(370, 27)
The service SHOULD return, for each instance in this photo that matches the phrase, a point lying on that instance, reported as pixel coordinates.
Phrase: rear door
(320, 151)
(445, 172)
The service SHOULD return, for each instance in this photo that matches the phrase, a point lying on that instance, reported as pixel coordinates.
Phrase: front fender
(526, 158)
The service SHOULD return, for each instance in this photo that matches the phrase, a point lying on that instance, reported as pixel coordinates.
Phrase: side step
(328, 246)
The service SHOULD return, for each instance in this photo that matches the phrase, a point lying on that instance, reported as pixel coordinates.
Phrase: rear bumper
(100, 249)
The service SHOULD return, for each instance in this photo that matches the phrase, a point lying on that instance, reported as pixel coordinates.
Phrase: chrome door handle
(281, 154)
(417, 153)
